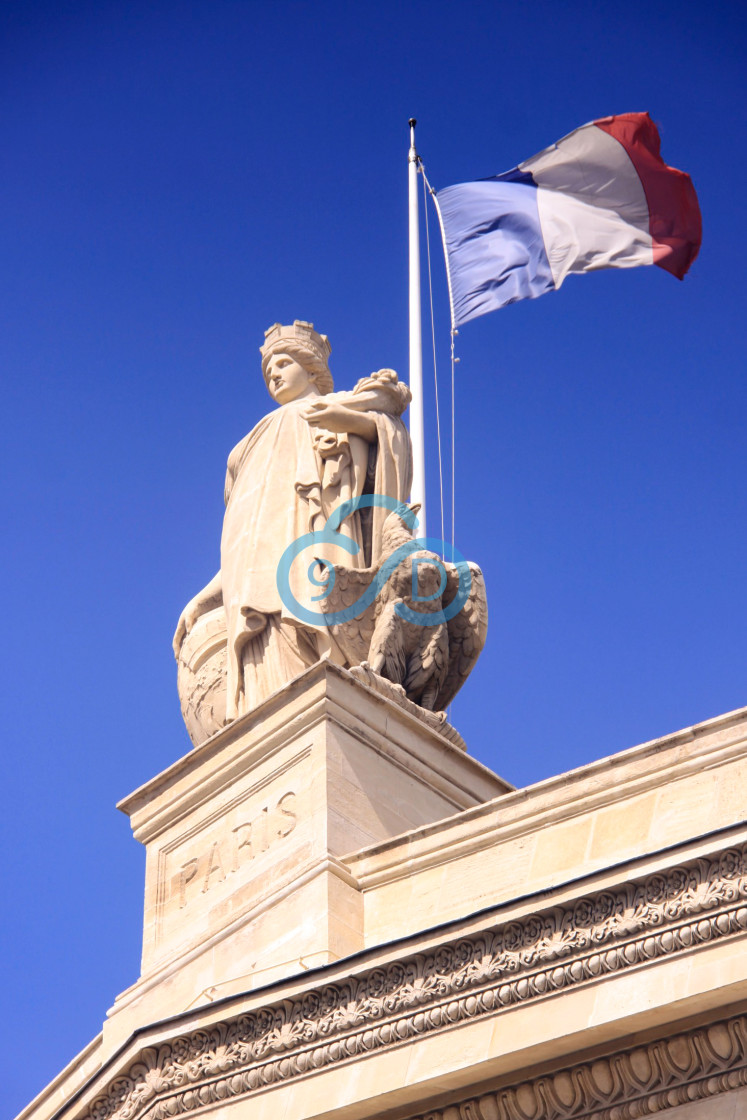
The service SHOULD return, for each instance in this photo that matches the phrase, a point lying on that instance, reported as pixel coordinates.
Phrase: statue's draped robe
(284, 479)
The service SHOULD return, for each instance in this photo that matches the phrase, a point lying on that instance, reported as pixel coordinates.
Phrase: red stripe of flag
(674, 214)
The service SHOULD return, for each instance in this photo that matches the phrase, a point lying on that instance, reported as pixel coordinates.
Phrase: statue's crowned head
(309, 348)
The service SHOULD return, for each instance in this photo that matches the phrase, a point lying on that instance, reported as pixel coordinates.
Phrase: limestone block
(643, 800)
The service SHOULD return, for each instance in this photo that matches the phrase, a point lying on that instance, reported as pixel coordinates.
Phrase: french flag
(602, 197)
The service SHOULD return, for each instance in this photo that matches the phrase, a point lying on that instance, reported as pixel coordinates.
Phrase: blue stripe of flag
(494, 243)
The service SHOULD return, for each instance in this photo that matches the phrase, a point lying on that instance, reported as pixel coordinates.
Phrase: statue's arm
(210, 597)
(349, 413)
(334, 416)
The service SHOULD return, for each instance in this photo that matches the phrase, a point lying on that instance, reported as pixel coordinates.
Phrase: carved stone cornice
(626, 1085)
(552, 950)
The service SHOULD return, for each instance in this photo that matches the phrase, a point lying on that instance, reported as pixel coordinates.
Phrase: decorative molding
(550, 951)
(629, 1084)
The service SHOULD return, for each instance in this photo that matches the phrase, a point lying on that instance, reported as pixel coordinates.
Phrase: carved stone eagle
(430, 661)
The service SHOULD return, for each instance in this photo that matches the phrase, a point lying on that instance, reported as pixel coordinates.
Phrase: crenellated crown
(302, 334)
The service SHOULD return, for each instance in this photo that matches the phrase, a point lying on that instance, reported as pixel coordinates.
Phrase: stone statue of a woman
(284, 479)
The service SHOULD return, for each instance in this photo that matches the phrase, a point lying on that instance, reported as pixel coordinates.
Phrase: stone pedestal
(245, 836)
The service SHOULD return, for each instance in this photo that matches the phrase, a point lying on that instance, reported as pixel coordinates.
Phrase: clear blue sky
(176, 177)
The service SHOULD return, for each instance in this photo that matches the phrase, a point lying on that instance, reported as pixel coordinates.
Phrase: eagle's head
(399, 527)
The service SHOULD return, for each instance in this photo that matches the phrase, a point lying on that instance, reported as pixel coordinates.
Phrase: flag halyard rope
(426, 187)
(454, 358)
(443, 240)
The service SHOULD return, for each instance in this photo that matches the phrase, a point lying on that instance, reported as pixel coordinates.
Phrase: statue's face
(287, 379)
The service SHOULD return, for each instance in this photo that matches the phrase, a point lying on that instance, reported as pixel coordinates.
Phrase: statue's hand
(210, 596)
(339, 418)
(333, 417)
(187, 619)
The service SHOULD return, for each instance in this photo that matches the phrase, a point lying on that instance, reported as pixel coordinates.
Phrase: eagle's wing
(427, 672)
(354, 635)
(387, 656)
(467, 632)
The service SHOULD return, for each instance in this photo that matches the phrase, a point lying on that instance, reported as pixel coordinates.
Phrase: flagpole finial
(413, 156)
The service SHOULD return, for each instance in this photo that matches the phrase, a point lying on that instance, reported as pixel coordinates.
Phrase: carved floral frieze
(629, 1084)
(547, 952)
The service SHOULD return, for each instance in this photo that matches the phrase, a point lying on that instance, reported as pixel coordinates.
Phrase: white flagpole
(416, 342)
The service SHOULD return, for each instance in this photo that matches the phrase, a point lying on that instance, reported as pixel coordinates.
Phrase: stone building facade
(348, 917)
